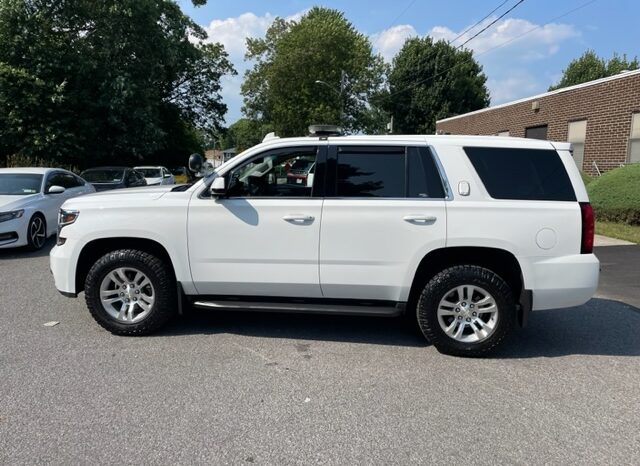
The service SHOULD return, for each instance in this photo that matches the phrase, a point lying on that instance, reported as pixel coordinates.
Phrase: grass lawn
(619, 230)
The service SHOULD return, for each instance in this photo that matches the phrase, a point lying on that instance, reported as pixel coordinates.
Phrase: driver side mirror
(55, 189)
(218, 187)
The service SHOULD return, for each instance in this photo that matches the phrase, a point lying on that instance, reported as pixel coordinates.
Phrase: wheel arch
(500, 261)
(96, 248)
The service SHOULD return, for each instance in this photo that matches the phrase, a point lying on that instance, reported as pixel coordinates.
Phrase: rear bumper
(563, 281)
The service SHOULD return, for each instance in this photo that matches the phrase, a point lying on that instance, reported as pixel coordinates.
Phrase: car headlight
(6, 216)
(65, 217)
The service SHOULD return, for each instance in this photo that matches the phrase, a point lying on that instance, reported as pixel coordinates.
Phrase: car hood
(115, 196)
(8, 203)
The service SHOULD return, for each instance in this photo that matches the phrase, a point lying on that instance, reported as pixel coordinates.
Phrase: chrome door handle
(298, 218)
(420, 219)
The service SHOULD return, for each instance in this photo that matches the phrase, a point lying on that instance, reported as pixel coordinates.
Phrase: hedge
(615, 195)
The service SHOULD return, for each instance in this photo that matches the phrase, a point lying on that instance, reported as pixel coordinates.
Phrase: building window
(576, 136)
(536, 132)
(634, 139)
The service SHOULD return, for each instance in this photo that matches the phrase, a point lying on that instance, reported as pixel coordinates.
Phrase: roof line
(546, 94)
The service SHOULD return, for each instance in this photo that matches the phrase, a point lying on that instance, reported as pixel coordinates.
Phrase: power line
(417, 83)
(476, 24)
(409, 5)
(490, 24)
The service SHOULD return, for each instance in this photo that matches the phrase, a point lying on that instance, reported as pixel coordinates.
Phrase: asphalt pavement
(243, 388)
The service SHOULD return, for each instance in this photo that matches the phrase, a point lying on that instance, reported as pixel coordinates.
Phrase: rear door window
(371, 172)
(389, 172)
(523, 174)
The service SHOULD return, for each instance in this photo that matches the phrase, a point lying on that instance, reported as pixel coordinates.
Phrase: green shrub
(615, 195)
(586, 178)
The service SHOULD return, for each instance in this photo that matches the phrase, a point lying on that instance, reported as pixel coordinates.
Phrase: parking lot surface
(225, 388)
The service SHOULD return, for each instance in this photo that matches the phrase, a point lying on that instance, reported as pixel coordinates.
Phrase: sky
(515, 68)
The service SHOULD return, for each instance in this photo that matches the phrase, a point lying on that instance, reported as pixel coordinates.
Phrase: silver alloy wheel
(468, 314)
(127, 295)
(37, 232)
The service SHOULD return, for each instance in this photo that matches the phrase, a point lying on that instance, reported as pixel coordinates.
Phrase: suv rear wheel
(466, 310)
(130, 292)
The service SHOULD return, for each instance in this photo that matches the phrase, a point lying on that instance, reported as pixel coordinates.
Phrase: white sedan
(30, 199)
(156, 175)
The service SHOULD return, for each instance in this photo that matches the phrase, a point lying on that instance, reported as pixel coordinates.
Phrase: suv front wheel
(130, 292)
(466, 310)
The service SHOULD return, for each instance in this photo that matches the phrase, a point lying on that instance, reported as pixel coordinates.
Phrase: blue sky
(523, 67)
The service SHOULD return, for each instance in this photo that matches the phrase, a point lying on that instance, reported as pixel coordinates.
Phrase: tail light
(588, 228)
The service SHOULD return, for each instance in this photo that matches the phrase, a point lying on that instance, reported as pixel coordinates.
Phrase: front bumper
(63, 267)
(14, 232)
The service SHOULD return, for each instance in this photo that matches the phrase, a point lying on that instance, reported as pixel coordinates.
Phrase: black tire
(35, 244)
(439, 287)
(161, 277)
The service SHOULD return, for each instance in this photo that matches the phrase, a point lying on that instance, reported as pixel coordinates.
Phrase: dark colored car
(105, 178)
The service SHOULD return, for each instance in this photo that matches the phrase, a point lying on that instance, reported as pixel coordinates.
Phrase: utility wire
(567, 13)
(478, 23)
(490, 24)
(409, 5)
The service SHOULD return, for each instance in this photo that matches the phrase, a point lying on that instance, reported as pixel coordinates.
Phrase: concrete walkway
(607, 241)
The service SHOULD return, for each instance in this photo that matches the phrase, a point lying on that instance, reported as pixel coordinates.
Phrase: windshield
(19, 184)
(150, 172)
(103, 175)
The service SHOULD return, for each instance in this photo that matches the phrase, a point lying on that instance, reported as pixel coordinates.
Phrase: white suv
(468, 234)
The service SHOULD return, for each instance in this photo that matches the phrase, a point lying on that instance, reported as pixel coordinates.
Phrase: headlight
(6, 216)
(65, 217)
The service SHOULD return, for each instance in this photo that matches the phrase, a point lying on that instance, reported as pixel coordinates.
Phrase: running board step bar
(299, 307)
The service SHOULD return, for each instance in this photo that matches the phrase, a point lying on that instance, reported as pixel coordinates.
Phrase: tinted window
(70, 181)
(55, 179)
(107, 175)
(536, 132)
(528, 174)
(422, 174)
(371, 172)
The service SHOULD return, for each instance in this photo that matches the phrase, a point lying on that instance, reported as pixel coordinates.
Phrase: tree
(316, 70)
(243, 134)
(590, 66)
(432, 80)
(84, 82)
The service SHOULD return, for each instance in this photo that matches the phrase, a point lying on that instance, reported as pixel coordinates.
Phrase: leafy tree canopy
(282, 89)
(432, 80)
(590, 66)
(85, 82)
(243, 134)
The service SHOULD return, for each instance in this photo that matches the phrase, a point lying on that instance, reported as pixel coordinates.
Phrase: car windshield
(19, 184)
(150, 172)
(103, 175)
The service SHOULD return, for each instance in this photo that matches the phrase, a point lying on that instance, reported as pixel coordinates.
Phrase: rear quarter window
(524, 174)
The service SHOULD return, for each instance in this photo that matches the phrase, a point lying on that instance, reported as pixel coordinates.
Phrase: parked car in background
(30, 199)
(105, 178)
(182, 175)
(156, 175)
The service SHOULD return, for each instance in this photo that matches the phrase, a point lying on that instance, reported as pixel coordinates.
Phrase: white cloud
(516, 85)
(233, 33)
(543, 40)
(389, 41)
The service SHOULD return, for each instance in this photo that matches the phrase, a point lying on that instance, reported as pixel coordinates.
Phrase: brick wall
(607, 106)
